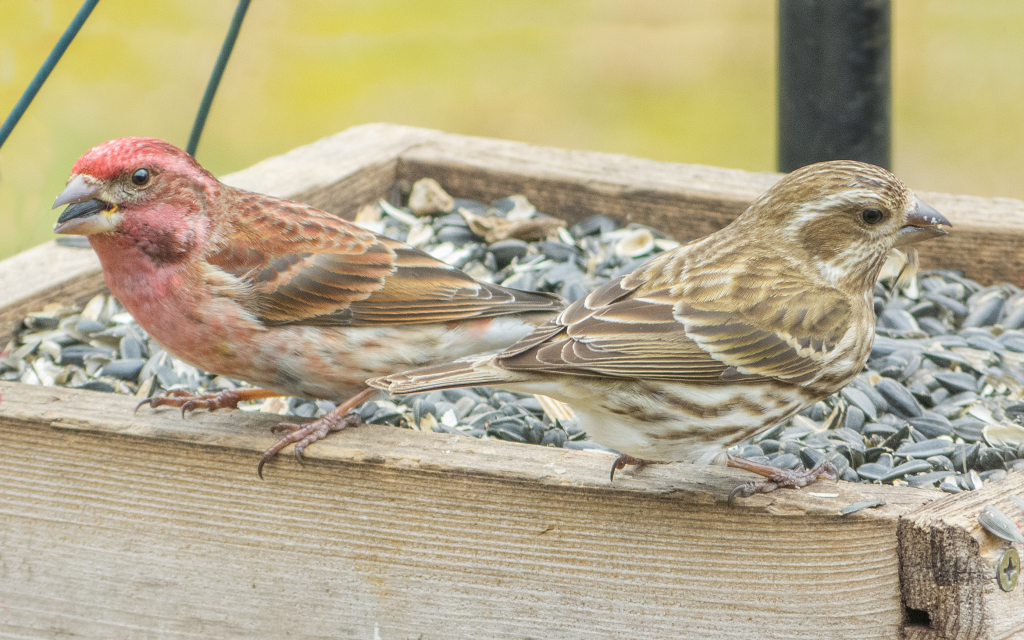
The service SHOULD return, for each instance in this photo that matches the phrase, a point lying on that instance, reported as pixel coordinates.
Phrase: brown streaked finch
(282, 295)
(711, 343)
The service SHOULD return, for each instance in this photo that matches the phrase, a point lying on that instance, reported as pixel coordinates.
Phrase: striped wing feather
(623, 330)
(303, 266)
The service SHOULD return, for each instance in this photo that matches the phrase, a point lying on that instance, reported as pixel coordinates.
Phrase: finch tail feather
(525, 301)
(461, 373)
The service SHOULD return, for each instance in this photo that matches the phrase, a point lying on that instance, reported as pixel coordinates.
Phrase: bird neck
(134, 277)
(854, 276)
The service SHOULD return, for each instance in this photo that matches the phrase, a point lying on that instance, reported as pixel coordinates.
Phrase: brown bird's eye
(141, 177)
(871, 216)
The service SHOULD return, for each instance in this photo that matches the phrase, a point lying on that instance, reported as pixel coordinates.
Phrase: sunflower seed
(986, 313)
(992, 475)
(999, 524)
(786, 461)
(928, 479)
(970, 481)
(899, 400)
(926, 449)
(873, 471)
(990, 458)
(931, 424)
(859, 399)
(127, 369)
(957, 382)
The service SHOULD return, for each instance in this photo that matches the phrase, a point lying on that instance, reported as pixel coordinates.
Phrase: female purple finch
(273, 292)
(713, 342)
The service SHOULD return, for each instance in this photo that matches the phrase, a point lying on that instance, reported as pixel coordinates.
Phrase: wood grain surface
(43, 274)
(949, 565)
(114, 525)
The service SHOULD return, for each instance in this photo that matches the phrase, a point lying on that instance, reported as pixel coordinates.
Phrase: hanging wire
(218, 71)
(44, 71)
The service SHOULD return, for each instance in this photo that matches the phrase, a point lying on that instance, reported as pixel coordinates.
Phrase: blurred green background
(686, 81)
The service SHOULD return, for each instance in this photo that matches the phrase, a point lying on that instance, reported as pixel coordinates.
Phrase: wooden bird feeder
(116, 525)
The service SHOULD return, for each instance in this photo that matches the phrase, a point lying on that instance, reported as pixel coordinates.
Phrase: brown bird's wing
(777, 327)
(303, 266)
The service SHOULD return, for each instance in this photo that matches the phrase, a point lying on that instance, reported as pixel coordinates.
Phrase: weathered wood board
(110, 521)
(114, 525)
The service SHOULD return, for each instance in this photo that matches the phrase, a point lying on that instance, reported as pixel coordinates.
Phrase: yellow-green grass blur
(685, 81)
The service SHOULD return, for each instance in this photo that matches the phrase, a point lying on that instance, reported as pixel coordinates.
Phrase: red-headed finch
(713, 342)
(277, 293)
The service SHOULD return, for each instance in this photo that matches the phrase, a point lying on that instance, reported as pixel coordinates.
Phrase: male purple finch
(713, 342)
(287, 297)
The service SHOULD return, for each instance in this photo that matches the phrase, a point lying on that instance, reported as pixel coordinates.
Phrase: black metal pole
(834, 82)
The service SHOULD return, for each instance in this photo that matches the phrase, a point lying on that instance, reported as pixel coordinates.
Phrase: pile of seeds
(938, 404)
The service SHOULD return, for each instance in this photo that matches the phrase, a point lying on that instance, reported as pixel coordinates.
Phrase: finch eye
(871, 216)
(141, 177)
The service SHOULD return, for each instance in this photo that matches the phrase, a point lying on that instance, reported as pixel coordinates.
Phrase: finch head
(844, 217)
(143, 190)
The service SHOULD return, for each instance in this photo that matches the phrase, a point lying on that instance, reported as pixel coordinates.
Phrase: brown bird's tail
(520, 301)
(469, 372)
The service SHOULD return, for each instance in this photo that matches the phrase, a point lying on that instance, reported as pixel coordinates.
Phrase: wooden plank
(117, 525)
(987, 240)
(43, 274)
(340, 173)
(949, 567)
(684, 201)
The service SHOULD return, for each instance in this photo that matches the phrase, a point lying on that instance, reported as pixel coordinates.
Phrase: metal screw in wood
(1009, 569)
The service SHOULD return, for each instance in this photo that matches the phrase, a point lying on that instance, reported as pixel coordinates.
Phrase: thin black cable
(218, 71)
(44, 71)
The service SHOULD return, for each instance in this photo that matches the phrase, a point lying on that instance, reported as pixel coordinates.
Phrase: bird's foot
(304, 435)
(775, 478)
(626, 460)
(188, 401)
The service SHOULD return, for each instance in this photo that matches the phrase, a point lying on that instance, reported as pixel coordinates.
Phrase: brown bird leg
(776, 478)
(221, 400)
(625, 460)
(304, 435)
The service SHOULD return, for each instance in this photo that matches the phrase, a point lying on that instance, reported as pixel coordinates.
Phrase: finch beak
(78, 189)
(86, 215)
(925, 222)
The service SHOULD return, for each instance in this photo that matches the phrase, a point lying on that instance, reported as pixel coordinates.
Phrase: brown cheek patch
(163, 245)
(826, 237)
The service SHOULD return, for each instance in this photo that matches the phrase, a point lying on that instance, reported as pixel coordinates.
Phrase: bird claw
(626, 460)
(304, 435)
(188, 402)
(782, 478)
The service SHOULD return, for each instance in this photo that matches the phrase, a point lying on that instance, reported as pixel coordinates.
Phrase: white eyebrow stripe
(813, 209)
(840, 199)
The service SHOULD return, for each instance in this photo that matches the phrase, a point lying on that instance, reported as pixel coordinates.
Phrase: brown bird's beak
(86, 215)
(925, 222)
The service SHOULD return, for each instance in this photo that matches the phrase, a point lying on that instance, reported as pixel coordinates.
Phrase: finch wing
(298, 265)
(684, 334)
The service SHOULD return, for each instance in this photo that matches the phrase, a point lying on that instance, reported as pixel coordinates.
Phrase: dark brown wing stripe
(314, 268)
